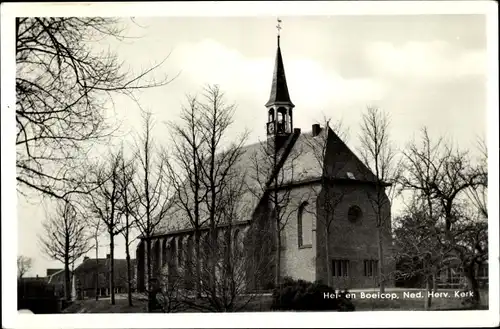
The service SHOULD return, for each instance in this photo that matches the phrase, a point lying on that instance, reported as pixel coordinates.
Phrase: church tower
(279, 105)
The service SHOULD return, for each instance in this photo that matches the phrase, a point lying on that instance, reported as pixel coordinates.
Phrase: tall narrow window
(179, 251)
(271, 115)
(173, 254)
(340, 267)
(370, 267)
(164, 252)
(304, 226)
(236, 242)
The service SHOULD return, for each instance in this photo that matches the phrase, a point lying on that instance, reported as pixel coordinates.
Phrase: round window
(354, 213)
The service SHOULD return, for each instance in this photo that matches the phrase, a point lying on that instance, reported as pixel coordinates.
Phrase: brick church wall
(355, 241)
(299, 262)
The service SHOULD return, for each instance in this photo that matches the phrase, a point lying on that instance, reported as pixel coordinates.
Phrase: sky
(423, 70)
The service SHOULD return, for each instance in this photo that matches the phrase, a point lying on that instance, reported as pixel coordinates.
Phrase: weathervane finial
(278, 27)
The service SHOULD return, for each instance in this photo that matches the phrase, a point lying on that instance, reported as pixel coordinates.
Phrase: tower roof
(279, 89)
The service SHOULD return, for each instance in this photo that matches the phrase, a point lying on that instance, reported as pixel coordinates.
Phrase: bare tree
(272, 170)
(218, 160)
(185, 173)
(151, 190)
(202, 165)
(228, 290)
(96, 229)
(442, 175)
(419, 252)
(62, 86)
(330, 196)
(127, 208)
(479, 193)
(65, 238)
(379, 155)
(24, 265)
(105, 202)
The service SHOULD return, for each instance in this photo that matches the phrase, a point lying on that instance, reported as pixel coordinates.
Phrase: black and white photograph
(291, 161)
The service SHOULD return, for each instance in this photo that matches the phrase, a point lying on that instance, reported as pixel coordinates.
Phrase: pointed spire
(279, 88)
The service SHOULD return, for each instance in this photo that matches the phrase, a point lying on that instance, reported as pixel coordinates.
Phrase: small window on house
(350, 175)
(354, 214)
(340, 267)
(370, 267)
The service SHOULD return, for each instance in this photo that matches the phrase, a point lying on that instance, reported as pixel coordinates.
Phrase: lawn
(104, 306)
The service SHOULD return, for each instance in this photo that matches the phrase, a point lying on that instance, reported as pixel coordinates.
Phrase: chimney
(108, 256)
(316, 129)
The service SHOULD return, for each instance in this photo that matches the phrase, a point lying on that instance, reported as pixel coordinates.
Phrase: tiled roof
(303, 163)
(251, 166)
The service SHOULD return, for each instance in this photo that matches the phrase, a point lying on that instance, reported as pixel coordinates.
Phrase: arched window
(354, 214)
(189, 253)
(281, 120)
(235, 240)
(304, 226)
(179, 251)
(173, 253)
(164, 252)
(205, 240)
(271, 115)
(238, 242)
(156, 256)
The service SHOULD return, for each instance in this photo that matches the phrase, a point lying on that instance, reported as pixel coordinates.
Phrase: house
(453, 276)
(313, 184)
(93, 275)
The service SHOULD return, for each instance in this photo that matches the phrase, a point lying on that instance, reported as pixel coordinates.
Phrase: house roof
(302, 159)
(91, 264)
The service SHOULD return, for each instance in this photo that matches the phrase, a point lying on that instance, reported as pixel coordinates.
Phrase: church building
(317, 197)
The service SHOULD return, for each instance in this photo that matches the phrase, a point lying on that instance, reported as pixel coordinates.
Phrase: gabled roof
(302, 163)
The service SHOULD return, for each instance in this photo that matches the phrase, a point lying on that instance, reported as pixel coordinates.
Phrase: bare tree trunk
(329, 276)
(434, 282)
(472, 284)
(278, 259)
(213, 260)
(148, 265)
(67, 280)
(197, 262)
(112, 269)
(129, 269)
(97, 269)
(380, 250)
(67, 283)
(428, 291)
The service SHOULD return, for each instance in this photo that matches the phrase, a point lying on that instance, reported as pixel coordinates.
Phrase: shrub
(301, 295)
